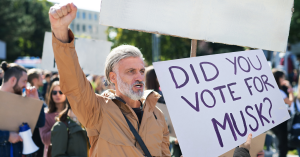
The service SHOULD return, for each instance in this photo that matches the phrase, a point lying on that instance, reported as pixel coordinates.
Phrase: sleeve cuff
(71, 39)
(5, 136)
(241, 152)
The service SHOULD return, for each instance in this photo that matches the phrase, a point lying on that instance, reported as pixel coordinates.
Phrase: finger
(59, 12)
(27, 91)
(64, 10)
(249, 139)
(68, 7)
(53, 13)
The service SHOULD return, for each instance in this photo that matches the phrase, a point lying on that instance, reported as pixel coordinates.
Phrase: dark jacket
(17, 147)
(176, 151)
(241, 152)
(68, 140)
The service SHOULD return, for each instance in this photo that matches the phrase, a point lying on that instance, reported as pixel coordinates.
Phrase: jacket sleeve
(41, 121)
(166, 141)
(45, 133)
(59, 140)
(241, 152)
(4, 136)
(74, 83)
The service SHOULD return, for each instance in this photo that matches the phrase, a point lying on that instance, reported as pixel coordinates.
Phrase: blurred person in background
(54, 78)
(1, 76)
(14, 81)
(47, 80)
(56, 103)
(101, 86)
(280, 130)
(35, 79)
(68, 137)
(151, 82)
(290, 65)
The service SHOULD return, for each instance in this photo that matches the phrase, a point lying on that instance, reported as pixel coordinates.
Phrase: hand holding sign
(14, 137)
(247, 143)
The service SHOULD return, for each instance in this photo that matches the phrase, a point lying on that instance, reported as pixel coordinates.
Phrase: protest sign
(215, 101)
(15, 110)
(260, 24)
(91, 54)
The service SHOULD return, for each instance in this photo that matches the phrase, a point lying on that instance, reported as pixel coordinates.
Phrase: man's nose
(140, 77)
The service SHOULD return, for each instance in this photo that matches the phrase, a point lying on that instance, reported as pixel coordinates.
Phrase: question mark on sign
(270, 107)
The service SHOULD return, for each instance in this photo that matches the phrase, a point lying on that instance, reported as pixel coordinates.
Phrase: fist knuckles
(59, 11)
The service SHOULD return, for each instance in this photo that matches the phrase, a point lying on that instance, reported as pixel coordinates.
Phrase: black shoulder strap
(138, 138)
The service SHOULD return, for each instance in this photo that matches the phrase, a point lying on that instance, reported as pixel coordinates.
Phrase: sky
(93, 5)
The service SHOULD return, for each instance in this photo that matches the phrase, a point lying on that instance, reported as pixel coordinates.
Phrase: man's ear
(13, 80)
(113, 77)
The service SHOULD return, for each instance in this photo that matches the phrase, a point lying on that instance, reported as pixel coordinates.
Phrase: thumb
(249, 139)
(20, 138)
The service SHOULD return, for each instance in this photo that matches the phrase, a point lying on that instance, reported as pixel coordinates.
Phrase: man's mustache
(138, 82)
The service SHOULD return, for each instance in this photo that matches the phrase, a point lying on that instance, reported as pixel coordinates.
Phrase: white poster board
(215, 101)
(91, 54)
(260, 24)
(2, 50)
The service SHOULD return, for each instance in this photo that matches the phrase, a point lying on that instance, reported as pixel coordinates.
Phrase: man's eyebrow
(130, 69)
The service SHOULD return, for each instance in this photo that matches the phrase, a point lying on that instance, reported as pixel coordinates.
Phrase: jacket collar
(73, 126)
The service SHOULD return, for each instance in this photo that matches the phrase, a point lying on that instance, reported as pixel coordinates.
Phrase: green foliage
(294, 35)
(23, 25)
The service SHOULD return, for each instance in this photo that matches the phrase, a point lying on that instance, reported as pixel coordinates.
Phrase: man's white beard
(127, 90)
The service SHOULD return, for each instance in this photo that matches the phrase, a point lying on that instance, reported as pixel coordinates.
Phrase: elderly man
(111, 118)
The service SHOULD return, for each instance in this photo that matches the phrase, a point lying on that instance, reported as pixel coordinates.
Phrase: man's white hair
(117, 54)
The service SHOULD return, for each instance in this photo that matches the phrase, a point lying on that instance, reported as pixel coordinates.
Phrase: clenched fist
(61, 16)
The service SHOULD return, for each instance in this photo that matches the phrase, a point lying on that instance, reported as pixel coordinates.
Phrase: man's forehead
(132, 62)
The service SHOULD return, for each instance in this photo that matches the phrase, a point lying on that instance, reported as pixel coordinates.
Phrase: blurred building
(29, 62)
(86, 24)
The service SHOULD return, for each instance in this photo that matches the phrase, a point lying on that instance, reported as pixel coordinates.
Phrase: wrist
(61, 34)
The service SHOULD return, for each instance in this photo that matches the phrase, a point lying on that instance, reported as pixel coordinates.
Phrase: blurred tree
(22, 27)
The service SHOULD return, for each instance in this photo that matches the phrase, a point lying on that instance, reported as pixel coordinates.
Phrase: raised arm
(74, 84)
